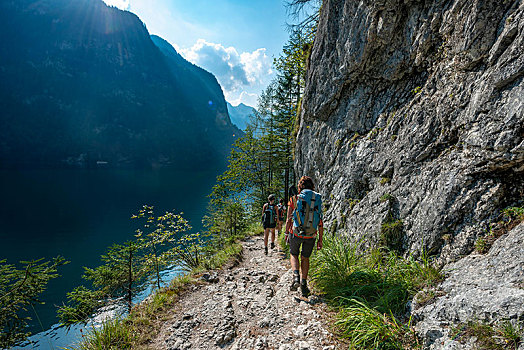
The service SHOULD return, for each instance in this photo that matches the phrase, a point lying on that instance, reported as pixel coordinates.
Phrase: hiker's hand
(319, 244)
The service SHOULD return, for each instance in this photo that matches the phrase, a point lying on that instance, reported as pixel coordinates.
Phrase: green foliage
(386, 197)
(367, 328)
(481, 245)
(385, 180)
(159, 233)
(514, 213)
(122, 275)
(373, 133)
(112, 335)
(20, 288)
(369, 288)
(416, 90)
(226, 220)
(82, 302)
(218, 258)
(161, 241)
(391, 234)
(352, 202)
(501, 336)
(139, 327)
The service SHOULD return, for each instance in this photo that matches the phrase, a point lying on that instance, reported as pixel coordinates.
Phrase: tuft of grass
(219, 258)
(368, 289)
(510, 218)
(502, 336)
(481, 245)
(513, 334)
(514, 213)
(366, 328)
(112, 334)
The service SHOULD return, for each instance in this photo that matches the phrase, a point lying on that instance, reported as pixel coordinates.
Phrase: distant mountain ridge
(84, 83)
(240, 114)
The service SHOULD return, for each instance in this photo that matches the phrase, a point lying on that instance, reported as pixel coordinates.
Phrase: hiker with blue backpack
(269, 220)
(304, 221)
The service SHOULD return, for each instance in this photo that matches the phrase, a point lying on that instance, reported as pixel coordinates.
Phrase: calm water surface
(78, 213)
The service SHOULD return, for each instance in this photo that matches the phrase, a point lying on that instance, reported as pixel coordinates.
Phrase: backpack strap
(295, 210)
(311, 210)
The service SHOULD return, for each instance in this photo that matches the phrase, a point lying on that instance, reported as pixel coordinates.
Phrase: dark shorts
(270, 225)
(295, 243)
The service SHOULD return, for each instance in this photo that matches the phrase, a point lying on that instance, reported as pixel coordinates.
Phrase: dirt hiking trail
(248, 305)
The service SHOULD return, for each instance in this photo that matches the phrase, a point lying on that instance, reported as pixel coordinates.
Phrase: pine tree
(20, 289)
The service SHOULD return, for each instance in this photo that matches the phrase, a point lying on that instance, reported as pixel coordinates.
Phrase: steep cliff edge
(412, 121)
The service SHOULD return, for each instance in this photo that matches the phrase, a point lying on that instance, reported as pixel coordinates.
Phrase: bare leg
(294, 262)
(272, 235)
(304, 267)
(266, 236)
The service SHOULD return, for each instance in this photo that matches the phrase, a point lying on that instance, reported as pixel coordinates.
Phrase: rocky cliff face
(412, 121)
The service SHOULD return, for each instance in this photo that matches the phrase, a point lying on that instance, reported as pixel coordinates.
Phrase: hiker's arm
(289, 219)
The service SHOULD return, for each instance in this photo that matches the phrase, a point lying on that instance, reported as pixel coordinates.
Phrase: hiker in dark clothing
(304, 221)
(269, 220)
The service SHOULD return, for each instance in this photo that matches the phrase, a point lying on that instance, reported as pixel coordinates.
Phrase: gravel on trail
(248, 305)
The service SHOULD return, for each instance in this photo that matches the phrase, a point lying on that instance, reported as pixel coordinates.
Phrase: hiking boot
(265, 250)
(272, 245)
(295, 283)
(305, 290)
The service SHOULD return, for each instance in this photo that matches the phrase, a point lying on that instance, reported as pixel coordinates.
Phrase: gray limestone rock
(413, 115)
(422, 101)
(484, 288)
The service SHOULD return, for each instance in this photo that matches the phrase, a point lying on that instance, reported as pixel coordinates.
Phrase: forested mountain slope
(412, 123)
(83, 82)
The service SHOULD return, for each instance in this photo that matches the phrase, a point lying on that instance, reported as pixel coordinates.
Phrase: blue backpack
(307, 213)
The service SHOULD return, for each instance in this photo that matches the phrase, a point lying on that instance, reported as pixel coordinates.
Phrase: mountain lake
(78, 214)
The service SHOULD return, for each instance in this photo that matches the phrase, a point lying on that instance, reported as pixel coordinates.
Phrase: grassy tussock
(502, 336)
(370, 290)
(111, 335)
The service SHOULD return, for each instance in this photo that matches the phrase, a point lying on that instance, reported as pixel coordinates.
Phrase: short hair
(305, 182)
(271, 197)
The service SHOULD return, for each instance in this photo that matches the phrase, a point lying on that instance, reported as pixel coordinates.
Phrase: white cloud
(235, 71)
(244, 97)
(121, 4)
(256, 65)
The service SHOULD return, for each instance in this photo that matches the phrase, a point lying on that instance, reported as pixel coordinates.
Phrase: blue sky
(234, 39)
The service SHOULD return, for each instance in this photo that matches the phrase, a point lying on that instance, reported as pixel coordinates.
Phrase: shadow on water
(78, 213)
